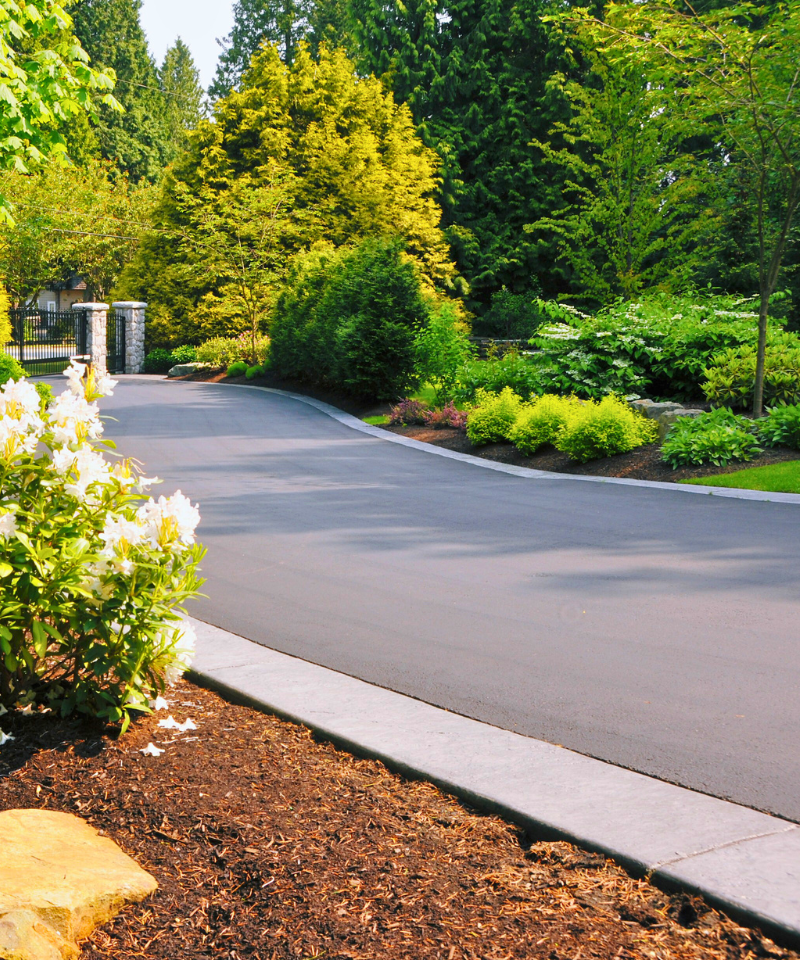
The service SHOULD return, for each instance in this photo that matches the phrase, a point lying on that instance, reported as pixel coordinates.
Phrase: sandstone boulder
(59, 879)
(184, 369)
(666, 420)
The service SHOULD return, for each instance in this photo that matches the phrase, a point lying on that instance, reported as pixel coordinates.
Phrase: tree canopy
(350, 157)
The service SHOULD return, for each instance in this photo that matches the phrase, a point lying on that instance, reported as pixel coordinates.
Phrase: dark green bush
(512, 370)
(349, 319)
(781, 427)
(730, 378)
(255, 371)
(158, 361)
(237, 369)
(717, 437)
(512, 316)
(45, 392)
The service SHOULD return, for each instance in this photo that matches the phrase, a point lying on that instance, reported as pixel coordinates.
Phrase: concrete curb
(525, 472)
(746, 862)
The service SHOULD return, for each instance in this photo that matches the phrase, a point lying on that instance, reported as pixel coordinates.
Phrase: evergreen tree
(347, 154)
(136, 140)
(280, 22)
(180, 81)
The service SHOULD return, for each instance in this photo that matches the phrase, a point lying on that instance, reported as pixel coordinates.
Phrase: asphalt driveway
(655, 629)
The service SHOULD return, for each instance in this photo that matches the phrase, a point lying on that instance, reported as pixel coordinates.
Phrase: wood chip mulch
(267, 844)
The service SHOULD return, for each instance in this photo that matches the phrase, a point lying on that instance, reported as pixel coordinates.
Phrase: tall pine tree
(136, 140)
(180, 82)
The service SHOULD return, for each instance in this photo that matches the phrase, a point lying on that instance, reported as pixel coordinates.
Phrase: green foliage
(603, 429)
(5, 321)
(542, 422)
(657, 346)
(730, 378)
(717, 437)
(45, 392)
(158, 361)
(511, 316)
(237, 369)
(347, 160)
(512, 370)
(10, 369)
(781, 427)
(630, 181)
(255, 371)
(136, 139)
(183, 95)
(350, 319)
(442, 347)
(493, 417)
(91, 570)
(223, 351)
(184, 354)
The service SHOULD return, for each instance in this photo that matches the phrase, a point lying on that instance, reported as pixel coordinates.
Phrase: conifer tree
(180, 81)
(135, 140)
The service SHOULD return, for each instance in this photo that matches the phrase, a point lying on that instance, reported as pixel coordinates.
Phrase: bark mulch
(644, 463)
(267, 844)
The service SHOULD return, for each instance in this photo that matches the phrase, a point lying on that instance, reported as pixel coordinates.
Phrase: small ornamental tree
(92, 572)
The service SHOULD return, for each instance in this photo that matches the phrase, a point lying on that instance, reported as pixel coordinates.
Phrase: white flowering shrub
(93, 573)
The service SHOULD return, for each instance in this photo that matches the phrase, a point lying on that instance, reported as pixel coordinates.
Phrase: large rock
(666, 420)
(184, 369)
(59, 879)
(654, 409)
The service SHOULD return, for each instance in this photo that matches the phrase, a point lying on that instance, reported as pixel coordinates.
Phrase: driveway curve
(651, 628)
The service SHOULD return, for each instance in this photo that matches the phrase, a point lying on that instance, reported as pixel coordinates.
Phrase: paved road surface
(656, 630)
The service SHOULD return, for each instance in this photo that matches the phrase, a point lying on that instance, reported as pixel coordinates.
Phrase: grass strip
(775, 478)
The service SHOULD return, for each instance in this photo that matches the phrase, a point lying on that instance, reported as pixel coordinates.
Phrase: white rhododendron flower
(172, 724)
(169, 520)
(74, 419)
(5, 737)
(104, 386)
(159, 704)
(8, 525)
(121, 531)
(151, 750)
(19, 398)
(87, 468)
(75, 373)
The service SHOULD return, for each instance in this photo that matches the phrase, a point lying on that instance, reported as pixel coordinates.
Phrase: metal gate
(44, 340)
(115, 342)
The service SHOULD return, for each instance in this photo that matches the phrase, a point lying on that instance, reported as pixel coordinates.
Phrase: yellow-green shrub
(603, 429)
(542, 421)
(5, 323)
(493, 417)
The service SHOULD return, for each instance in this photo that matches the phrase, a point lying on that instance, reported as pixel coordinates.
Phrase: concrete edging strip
(525, 472)
(746, 862)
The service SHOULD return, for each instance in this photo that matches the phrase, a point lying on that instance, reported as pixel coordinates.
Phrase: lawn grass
(776, 478)
(426, 393)
(379, 421)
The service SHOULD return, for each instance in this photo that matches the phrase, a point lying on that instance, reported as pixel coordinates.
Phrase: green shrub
(603, 429)
(781, 427)
(731, 376)
(45, 392)
(495, 374)
(717, 437)
(542, 422)
(494, 417)
(158, 361)
(255, 371)
(237, 369)
(92, 570)
(221, 352)
(657, 346)
(184, 354)
(441, 348)
(512, 316)
(9, 369)
(349, 319)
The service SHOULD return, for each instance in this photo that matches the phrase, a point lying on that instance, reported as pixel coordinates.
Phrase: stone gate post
(133, 311)
(96, 324)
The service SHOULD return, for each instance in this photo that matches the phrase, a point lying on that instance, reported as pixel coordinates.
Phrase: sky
(197, 22)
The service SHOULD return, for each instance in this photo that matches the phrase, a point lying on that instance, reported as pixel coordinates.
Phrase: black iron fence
(44, 340)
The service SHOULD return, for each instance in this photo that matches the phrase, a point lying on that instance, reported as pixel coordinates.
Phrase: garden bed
(268, 844)
(643, 463)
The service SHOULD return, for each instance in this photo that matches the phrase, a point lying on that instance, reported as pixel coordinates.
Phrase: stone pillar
(96, 324)
(133, 312)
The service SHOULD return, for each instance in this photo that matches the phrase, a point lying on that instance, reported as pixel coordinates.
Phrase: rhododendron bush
(93, 572)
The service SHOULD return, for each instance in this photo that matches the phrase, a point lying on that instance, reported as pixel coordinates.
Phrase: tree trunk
(758, 395)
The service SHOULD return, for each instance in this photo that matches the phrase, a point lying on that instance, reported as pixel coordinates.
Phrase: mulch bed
(644, 463)
(267, 844)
